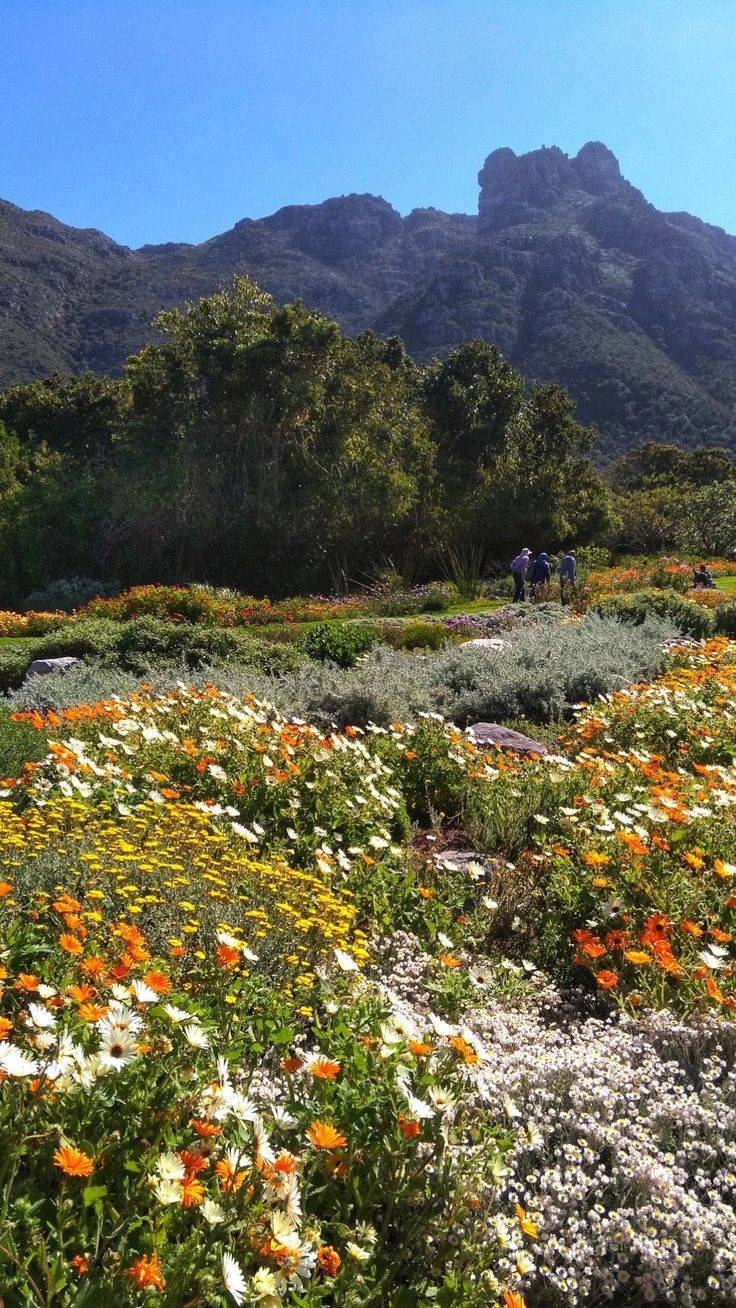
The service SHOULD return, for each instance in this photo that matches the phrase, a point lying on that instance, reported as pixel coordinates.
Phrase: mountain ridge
(566, 267)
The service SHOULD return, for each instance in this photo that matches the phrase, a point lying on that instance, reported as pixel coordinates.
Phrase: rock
(490, 733)
(485, 642)
(42, 667)
(466, 860)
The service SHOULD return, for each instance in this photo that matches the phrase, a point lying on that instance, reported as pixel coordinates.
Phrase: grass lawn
(728, 584)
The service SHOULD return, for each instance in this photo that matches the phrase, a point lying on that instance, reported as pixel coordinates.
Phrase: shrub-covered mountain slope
(566, 267)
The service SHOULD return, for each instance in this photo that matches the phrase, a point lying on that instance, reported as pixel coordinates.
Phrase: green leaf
(92, 1193)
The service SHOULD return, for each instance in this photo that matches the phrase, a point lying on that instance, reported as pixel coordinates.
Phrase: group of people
(537, 572)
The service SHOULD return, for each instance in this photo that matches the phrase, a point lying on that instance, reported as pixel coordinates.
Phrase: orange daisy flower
(328, 1260)
(204, 1129)
(324, 1136)
(73, 1162)
(192, 1191)
(323, 1068)
(71, 944)
(419, 1048)
(147, 1273)
(465, 1050)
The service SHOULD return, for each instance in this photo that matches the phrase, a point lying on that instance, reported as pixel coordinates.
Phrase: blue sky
(171, 119)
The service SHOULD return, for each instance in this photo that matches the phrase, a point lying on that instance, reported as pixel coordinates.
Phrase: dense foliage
(667, 498)
(259, 446)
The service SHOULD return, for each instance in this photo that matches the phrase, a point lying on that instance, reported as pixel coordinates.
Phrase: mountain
(566, 267)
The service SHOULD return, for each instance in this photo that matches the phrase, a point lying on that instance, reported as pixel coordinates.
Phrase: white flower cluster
(625, 1145)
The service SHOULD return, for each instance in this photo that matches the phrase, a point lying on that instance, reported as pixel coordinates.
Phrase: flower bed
(216, 1087)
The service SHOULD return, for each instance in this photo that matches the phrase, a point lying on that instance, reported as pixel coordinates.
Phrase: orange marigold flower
(325, 1069)
(466, 1051)
(80, 1263)
(73, 1162)
(324, 1136)
(607, 980)
(694, 861)
(5, 888)
(80, 994)
(450, 960)
(409, 1128)
(426, 892)
(71, 944)
(690, 928)
(5, 1026)
(595, 858)
(147, 1273)
(67, 904)
(27, 981)
(722, 937)
(158, 981)
(637, 956)
(328, 1260)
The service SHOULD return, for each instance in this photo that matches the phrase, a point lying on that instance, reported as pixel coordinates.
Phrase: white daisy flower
(234, 1279)
(170, 1167)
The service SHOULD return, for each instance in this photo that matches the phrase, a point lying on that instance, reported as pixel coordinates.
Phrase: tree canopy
(259, 446)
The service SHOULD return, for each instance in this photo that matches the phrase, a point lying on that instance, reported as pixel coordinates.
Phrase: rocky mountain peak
(520, 188)
(566, 268)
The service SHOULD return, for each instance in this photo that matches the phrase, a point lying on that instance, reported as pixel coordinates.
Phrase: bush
(88, 638)
(437, 599)
(414, 635)
(20, 743)
(546, 669)
(13, 664)
(152, 640)
(724, 619)
(339, 642)
(686, 615)
(68, 593)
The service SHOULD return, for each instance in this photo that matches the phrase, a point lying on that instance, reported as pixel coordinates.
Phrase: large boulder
(42, 667)
(490, 733)
(492, 643)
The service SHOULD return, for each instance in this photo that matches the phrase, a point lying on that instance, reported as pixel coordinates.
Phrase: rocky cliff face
(566, 268)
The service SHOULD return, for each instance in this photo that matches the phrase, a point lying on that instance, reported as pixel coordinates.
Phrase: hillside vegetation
(565, 267)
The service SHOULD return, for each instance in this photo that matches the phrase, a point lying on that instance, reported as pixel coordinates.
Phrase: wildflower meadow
(372, 1014)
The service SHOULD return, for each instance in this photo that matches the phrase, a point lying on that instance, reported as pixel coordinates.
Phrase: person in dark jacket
(703, 578)
(540, 573)
(519, 569)
(568, 575)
